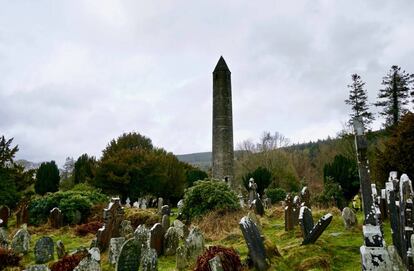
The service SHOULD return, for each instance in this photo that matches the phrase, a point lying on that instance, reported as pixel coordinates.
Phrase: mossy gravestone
(129, 258)
(21, 240)
(113, 216)
(44, 250)
(157, 238)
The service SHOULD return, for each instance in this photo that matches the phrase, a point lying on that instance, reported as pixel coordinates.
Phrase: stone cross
(252, 191)
(113, 216)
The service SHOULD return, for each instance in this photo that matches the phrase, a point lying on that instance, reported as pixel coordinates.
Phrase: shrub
(68, 202)
(262, 177)
(138, 217)
(91, 227)
(275, 194)
(68, 263)
(8, 258)
(230, 260)
(206, 196)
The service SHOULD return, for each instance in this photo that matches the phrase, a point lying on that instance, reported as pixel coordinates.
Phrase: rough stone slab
(44, 250)
(195, 243)
(375, 259)
(115, 246)
(149, 260)
(349, 217)
(21, 241)
(171, 241)
(254, 242)
(319, 228)
(60, 249)
(181, 262)
(129, 257)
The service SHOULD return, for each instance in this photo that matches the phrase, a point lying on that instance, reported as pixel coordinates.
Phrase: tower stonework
(223, 153)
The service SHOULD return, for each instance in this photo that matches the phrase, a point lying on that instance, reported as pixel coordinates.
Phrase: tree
(129, 141)
(194, 174)
(343, 171)
(84, 169)
(358, 100)
(398, 151)
(394, 96)
(262, 177)
(68, 168)
(7, 153)
(47, 178)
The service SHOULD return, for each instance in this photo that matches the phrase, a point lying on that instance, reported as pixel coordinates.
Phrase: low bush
(91, 227)
(68, 263)
(275, 194)
(8, 258)
(206, 196)
(230, 260)
(139, 216)
(68, 202)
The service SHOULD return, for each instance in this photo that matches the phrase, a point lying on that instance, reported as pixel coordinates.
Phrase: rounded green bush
(275, 194)
(206, 196)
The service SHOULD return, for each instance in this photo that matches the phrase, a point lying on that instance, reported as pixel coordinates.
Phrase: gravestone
(4, 243)
(22, 215)
(157, 238)
(181, 228)
(215, 264)
(44, 250)
(136, 204)
(128, 203)
(21, 240)
(126, 230)
(289, 221)
(171, 241)
(4, 215)
(60, 249)
(241, 200)
(165, 210)
(181, 262)
(56, 218)
(305, 197)
(143, 204)
(194, 243)
(88, 263)
(113, 216)
(349, 217)
(142, 235)
(375, 258)
(165, 222)
(252, 191)
(115, 246)
(319, 228)
(38, 267)
(252, 216)
(258, 206)
(160, 203)
(305, 221)
(254, 242)
(180, 206)
(149, 260)
(296, 207)
(129, 257)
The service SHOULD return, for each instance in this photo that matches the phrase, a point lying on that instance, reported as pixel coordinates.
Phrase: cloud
(76, 74)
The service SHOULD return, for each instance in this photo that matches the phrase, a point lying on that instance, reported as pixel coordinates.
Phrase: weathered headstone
(252, 191)
(126, 229)
(4, 241)
(160, 203)
(136, 204)
(181, 227)
(4, 215)
(165, 210)
(254, 242)
(296, 208)
(128, 203)
(44, 250)
(113, 216)
(305, 197)
(305, 221)
(195, 243)
(375, 259)
(252, 216)
(21, 240)
(181, 262)
(89, 263)
(149, 260)
(215, 264)
(129, 257)
(171, 241)
(180, 205)
(241, 200)
(289, 221)
(115, 246)
(22, 215)
(60, 249)
(38, 267)
(56, 218)
(165, 222)
(318, 229)
(349, 217)
(142, 235)
(157, 238)
(258, 206)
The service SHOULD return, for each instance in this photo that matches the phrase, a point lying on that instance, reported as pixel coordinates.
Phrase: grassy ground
(336, 249)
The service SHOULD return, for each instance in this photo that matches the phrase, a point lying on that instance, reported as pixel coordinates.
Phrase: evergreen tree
(47, 178)
(84, 169)
(358, 100)
(394, 96)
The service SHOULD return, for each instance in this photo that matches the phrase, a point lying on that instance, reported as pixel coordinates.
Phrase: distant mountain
(201, 160)
(28, 164)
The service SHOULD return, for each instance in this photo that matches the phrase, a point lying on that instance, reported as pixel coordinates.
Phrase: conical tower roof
(221, 66)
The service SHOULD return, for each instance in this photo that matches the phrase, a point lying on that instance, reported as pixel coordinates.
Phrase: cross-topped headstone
(113, 216)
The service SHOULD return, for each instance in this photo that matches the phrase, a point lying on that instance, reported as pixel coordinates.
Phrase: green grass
(336, 249)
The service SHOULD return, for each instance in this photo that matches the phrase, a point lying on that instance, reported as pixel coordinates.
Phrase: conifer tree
(47, 178)
(395, 95)
(358, 100)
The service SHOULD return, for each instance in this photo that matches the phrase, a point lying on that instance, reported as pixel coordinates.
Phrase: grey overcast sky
(76, 74)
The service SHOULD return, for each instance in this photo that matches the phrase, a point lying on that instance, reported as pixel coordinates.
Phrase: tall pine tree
(395, 95)
(47, 178)
(358, 100)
